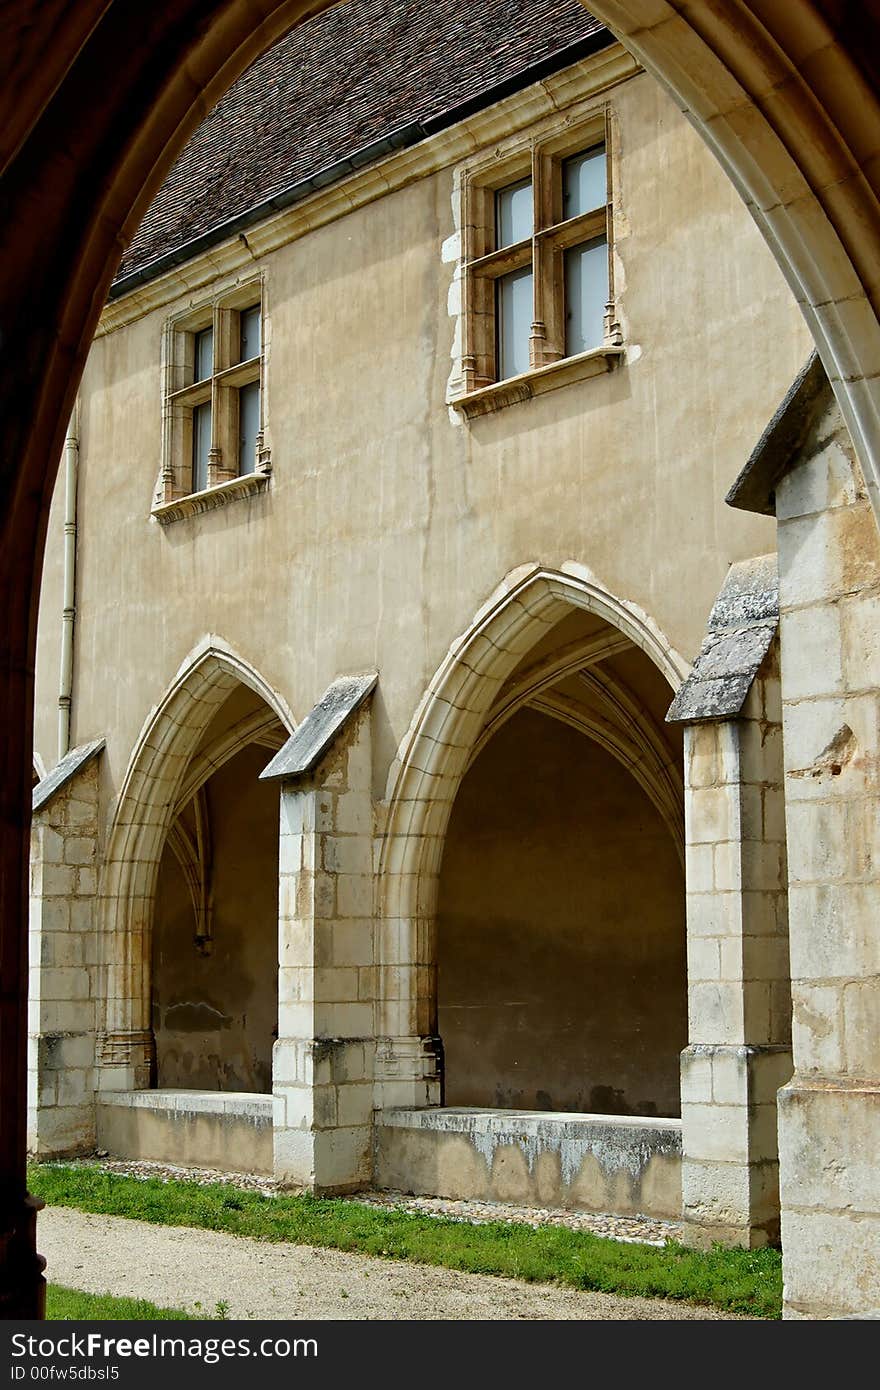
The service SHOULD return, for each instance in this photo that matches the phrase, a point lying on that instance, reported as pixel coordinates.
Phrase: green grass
(69, 1305)
(739, 1281)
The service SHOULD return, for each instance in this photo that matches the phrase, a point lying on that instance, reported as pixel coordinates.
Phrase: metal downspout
(68, 616)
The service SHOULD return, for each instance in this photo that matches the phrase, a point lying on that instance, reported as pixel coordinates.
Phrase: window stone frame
(174, 497)
(474, 387)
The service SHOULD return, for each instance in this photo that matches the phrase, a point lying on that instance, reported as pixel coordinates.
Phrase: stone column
(323, 1060)
(739, 1000)
(829, 568)
(61, 1042)
(739, 1050)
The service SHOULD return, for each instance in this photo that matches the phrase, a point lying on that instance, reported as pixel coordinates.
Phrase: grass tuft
(738, 1281)
(70, 1305)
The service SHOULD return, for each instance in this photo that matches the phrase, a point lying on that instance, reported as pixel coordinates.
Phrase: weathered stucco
(586, 1162)
(453, 557)
(232, 1133)
(379, 496)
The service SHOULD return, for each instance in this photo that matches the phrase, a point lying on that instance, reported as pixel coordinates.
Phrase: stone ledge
(193, 1102)
(67, 769)
(741, 626)
(211, 498)
(466, 1119)
(535, 383)
(230, 1131)
(622, 1164)
(321, 727)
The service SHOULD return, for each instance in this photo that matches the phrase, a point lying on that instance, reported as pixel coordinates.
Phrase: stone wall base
(623, 1165)
(61, 1099)
(227, 1130)
(323, 1109)
(730, 1168)
(829, 1140)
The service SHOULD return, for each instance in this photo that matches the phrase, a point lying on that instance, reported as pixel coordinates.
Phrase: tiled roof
(343, 81)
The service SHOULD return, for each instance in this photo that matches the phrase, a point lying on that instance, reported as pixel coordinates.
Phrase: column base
(61, 1094)
(829, 1138)
(747, 1196)
(126, 1060)
(323, 1113)
(729, 1170)
(409, 1072)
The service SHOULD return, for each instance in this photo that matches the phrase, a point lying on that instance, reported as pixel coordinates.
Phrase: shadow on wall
(215, 1007)
(562, 967)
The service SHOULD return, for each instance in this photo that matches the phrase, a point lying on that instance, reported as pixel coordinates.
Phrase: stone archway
(424, 779)
(786, 95)
(161, 767)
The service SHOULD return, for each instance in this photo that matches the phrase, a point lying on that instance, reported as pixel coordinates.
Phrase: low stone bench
(229, 1130)
(627, 1165)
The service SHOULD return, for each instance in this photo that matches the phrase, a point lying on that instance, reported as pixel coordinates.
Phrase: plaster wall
(389, 520)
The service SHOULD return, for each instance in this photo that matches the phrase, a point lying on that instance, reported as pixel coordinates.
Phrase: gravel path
(179, 1267)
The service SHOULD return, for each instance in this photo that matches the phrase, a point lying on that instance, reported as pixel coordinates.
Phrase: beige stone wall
(739, 991)
(215, 1013)
(829, 1115)
(561, 934)
(388, 524)
(323, 1061)
(388, 520)
(64, 968)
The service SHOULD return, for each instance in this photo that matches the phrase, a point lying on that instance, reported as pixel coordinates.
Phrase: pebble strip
(639, 1230)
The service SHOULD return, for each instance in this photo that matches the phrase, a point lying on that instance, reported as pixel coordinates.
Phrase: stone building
(392, 522)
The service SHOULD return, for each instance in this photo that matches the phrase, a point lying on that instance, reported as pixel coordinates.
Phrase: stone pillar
(739, 1012)
(61, 1042)
(323, 1059)
(829, 570)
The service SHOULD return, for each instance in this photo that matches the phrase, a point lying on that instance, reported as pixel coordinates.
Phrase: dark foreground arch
(97, 99)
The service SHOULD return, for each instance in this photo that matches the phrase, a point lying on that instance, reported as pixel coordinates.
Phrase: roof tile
(341, 81)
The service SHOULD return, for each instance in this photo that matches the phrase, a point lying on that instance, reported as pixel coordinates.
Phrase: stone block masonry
(739, 1027)
(323, 1060)
(829, 1114)
(63, 961)
(739, 1011)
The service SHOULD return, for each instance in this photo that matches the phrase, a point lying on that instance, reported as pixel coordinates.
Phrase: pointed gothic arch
(146, 806)
(433, 757)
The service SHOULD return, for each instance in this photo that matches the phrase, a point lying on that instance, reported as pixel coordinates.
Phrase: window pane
(586, 292)
(204, 355)
(248, 426)
(513, 214)
(249, 323)
(201, 445)
(514, 322)
(583, 183)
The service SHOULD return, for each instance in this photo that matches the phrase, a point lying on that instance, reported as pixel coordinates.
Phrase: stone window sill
(538, 381)
(211, 498)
